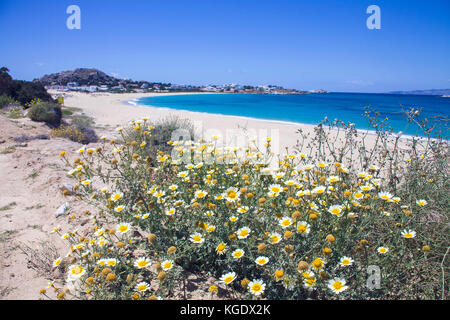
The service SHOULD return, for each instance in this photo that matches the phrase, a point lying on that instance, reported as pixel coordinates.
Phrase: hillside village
(93, 80)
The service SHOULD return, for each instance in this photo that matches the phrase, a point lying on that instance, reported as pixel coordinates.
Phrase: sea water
(311, 108)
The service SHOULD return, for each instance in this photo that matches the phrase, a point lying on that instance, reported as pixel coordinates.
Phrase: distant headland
(430, 92)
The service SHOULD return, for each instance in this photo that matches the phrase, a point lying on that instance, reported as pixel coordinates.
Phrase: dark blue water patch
(311, 108)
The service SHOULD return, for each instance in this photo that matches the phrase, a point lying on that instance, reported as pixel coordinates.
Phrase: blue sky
(297, 44)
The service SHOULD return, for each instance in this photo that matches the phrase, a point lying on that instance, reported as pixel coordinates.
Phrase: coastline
(113, 110)
(135, 102)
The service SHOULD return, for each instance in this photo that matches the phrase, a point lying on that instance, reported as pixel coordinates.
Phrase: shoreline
(114, 110)
(135, 102)
(110, 111)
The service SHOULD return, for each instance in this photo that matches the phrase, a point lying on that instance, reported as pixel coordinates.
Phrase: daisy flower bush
(311, 228)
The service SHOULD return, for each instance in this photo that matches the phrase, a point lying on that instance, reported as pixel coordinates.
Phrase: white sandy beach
(113, 110)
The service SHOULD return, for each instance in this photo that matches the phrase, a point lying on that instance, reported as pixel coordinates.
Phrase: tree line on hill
(22, 92)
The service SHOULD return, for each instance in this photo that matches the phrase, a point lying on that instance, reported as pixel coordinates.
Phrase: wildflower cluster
(68, 132)
(310, 228)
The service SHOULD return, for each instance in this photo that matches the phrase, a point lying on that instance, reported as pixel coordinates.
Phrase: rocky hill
(83, 76)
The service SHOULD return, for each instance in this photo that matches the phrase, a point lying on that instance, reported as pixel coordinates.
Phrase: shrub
(90, 134)
(81, 122)
(313, 228)
(161, 134)
(163, 130)
(5, 100)
(66, 112)
(70, 133)
(9, 107)
(49, 113)
(84, 124)
(79, 130)
(15, 112)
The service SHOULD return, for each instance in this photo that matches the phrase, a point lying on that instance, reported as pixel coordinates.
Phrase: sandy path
(31, 174)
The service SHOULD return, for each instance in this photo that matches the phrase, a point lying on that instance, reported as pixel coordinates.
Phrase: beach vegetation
(22, 91)
(33, 175)
(11, 109)
(316, 226)
(85, 125)
(69, 132)
(8, 149)
(8, 206)
(5, 100)
(47, 112)
(76, 127)
(40, 257)
(6, 236)
(158, 135)
(15, 112)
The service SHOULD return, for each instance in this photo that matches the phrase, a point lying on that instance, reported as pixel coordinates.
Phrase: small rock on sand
(62, 209)
(67, 187)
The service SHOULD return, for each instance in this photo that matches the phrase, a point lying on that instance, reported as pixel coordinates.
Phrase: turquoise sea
(310, 108)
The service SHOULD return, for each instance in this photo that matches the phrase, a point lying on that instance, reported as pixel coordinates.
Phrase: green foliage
(81, 122)
(80, 130)
(22, 91)
(27, 91)
(15, 112)
(5, 100)
(163, 130)
(6, 82)
(70, 133)
(49, 113)
(10, 107)
(84, 124)
(66, 113)
(161, 134)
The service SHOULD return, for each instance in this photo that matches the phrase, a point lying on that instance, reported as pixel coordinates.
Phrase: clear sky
(297, 44)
